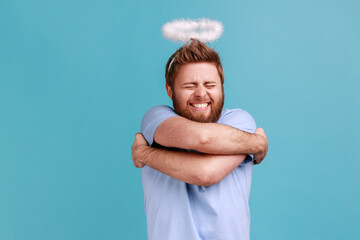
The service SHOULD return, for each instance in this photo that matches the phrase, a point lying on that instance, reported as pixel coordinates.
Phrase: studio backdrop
(77, 76)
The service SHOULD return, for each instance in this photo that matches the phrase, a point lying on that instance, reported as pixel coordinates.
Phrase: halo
(203, 29)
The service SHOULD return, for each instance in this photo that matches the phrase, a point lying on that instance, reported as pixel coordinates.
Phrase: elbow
(204, 181)
(208, 177)
(204, 139)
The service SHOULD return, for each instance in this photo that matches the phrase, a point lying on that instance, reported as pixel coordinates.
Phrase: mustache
(201, 99)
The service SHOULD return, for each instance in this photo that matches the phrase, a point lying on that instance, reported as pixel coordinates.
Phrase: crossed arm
(195, 168)
(213, 138)
(226, 148)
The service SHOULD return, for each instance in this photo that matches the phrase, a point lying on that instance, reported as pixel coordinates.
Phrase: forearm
(211, 138)
(193, 168)
(222, 139)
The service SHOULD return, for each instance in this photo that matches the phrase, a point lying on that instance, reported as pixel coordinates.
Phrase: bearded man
(197, 159)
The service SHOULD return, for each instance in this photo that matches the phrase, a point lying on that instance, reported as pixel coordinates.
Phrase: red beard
(186, 113)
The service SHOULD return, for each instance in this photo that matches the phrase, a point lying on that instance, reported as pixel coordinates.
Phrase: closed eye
(190, 86)
(210, 85)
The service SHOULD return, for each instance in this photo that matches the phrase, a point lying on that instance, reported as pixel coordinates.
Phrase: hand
(261, 155)
(136, 150)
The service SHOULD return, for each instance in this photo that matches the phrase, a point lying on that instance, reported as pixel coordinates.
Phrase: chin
(201, 117)
(197, 117)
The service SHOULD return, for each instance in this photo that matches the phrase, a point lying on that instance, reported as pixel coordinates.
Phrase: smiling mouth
(200, 106)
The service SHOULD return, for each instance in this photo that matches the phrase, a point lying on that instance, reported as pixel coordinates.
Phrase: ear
(169, 91)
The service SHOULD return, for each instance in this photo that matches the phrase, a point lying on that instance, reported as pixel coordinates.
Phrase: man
(197, 172)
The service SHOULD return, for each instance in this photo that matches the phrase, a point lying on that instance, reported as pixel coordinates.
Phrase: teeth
(201, 105)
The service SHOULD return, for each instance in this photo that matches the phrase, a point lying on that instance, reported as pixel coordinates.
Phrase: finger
(138, 164)
(139, 139)
(260, 131)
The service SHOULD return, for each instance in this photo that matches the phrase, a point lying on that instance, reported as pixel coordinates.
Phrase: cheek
(184, 97)
(216, 94)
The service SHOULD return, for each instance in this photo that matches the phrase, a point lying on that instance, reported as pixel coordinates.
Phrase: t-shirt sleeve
(152, 120)
(241, 120)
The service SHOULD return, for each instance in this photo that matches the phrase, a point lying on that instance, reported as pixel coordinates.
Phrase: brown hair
(192, 52)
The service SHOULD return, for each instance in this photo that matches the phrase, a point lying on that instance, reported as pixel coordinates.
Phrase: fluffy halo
(204, 30)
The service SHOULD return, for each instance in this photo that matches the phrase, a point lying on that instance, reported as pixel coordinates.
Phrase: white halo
(204, 30)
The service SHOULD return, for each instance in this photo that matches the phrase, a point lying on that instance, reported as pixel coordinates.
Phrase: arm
(213, 138)
(193, 168)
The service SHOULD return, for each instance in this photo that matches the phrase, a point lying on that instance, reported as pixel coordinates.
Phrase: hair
(192, 52)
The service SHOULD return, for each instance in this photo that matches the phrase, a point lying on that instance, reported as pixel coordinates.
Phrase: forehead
(197, 72)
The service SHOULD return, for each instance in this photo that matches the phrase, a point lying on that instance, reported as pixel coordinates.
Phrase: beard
(216, 109)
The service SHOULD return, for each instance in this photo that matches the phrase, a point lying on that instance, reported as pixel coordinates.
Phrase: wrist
(143, 151)
(260, 143)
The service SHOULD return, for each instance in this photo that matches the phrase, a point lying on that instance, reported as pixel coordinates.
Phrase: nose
(200, 92)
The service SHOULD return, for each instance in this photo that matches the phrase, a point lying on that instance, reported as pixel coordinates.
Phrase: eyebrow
(210, 82)
(195, 83)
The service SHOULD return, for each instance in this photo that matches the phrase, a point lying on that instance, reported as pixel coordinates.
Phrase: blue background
(77, 76)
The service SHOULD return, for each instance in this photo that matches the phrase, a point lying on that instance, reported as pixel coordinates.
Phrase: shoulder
(239, 119)
(154, 112)
(153, 118)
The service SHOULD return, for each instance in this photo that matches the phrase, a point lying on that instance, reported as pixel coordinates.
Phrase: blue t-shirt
(176, 210)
